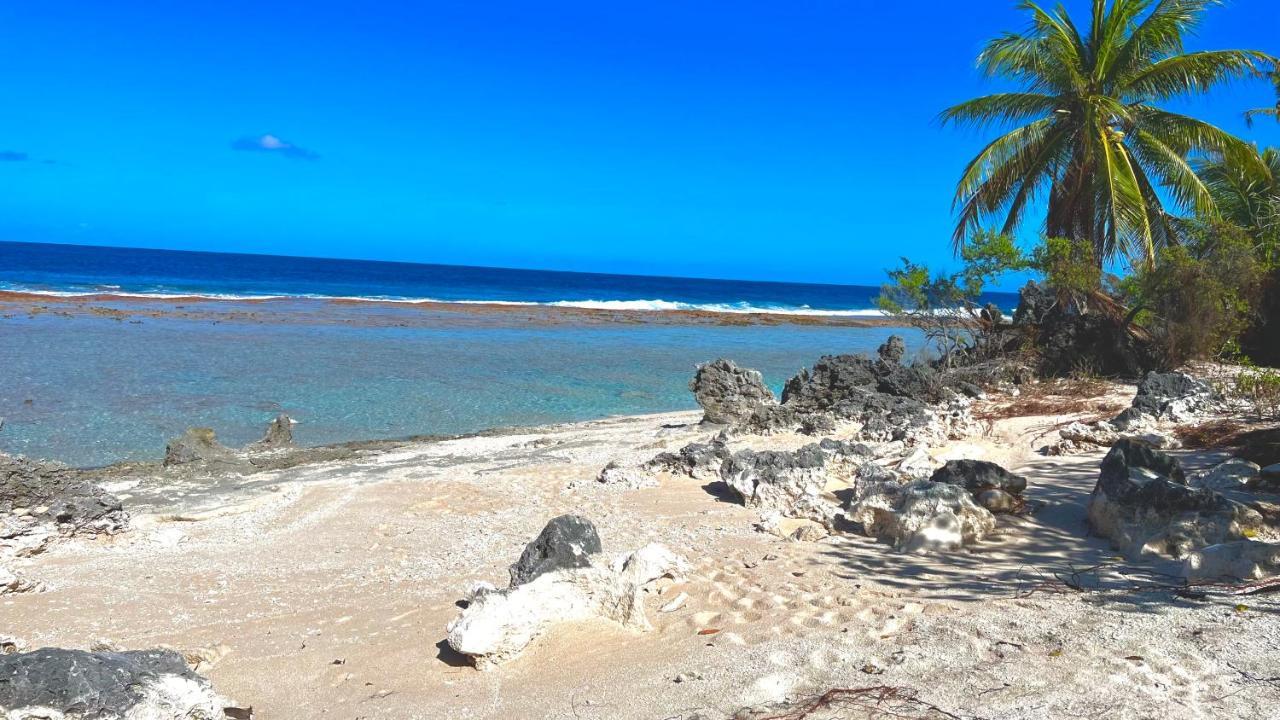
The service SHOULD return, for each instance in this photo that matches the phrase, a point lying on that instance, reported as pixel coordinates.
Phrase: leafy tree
(1089, 130)
(947, 308)
(1068, 266)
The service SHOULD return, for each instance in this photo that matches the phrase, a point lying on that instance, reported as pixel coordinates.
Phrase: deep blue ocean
(100, 381)
(81, 269)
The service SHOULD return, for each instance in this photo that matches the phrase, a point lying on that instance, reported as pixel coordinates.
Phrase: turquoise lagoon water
(90, 390)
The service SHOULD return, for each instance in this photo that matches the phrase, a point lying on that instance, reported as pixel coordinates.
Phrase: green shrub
(1068, 265)
(1199, 297)
(1260, 387)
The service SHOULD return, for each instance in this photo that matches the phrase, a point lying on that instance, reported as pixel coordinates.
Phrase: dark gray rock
(772, 462)
(769, 419)
(890, 400)
(198, 445)
(103, 685)
(693, 459)
(832, 446)
(878, 429)
(892, 350)
(1170, 396)
(55, 494)
(1164, 387)
(832, 380)
(884, 417)
(279, 434)
(1070, 336)
(1131, 418)
(1129, 453)
(817, 424)
(978, 476)
(729, 394)
(1034, 304)
(918, 382)
(566, 542)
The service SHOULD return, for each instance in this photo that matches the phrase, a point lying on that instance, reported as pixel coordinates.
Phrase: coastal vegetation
(1160, 233)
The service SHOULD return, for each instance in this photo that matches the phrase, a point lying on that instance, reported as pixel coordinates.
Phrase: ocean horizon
(84, 270)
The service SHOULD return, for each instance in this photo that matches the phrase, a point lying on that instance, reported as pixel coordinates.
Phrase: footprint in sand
(755, 609)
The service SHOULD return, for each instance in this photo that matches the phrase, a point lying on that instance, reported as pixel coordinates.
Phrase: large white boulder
(920, 516)
(498, 625)
(1240, 560)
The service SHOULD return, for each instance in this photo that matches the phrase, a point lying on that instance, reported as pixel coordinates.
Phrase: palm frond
(1190, 74)
(993, 179)
(1175, 173)
(1267, 112)
(1252, 115)
(1001, 108)
(1129, 222)
(1159, 35)
(1188, 135)
(1117, 24)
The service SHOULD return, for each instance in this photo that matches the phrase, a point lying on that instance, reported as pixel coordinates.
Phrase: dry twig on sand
(878, 701)
(1055, 397)
(1257, 442)
(1083, 580)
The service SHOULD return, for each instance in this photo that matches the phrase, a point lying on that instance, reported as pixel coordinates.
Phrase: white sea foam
(656, 305)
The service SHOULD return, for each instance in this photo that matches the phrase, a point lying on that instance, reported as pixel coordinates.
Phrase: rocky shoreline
(877, 525)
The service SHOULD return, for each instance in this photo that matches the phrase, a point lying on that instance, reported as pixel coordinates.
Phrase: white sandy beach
(324, 591)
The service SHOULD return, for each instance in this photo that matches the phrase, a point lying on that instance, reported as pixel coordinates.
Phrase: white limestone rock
(921, 516)
(498, 625)
(1233, 475)
(918, 464)
(790, 484)
(1240, 560)
(629, 477)
(1143, 504)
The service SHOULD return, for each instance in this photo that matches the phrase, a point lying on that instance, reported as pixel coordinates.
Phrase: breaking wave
(655, 305)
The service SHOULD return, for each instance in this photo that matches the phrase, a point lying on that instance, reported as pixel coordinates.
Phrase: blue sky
(791, 141)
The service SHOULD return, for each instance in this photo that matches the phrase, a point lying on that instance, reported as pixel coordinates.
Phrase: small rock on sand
(566, 542)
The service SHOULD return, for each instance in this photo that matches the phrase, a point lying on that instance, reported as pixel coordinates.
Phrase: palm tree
(1095, 139)
(1248, 199)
